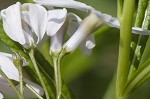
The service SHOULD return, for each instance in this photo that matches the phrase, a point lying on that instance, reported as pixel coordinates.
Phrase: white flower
(56, 27)
(80, 34)
(61, 22)
(25, 23)
(111, 21)
(86, 28)
(7, 66)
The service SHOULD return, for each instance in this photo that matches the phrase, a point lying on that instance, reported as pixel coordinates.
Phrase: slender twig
(21, 81)
(32, 90)
(10, 83)
(31, 54)
(58, 81)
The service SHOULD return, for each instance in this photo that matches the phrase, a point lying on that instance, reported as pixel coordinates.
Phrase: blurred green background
(90, 76)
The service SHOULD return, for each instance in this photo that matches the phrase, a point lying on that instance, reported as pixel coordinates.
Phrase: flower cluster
(29, 24)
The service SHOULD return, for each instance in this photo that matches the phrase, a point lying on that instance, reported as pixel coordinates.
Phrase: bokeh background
(89, 77)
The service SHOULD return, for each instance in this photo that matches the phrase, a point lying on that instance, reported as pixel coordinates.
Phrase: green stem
(31, 54)
(10, 83)
(124, 47)
(32, 90)
(21, 81)
(58, 80)
(119, 7)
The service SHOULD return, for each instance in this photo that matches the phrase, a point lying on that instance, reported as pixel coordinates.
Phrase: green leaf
(140, 40)
(139, 77)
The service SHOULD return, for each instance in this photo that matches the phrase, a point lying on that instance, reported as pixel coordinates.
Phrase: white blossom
(25, 23)
(85, 29)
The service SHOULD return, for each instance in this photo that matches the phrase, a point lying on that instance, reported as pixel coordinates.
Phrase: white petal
(56, 19)
(114, 22)
(38, 19)
(88, 44)
(140, 31)
(7, 66)
(89, 25)
(36, 87)
(1, 96)
(9, 92)
(74, 22)
(13, 21)
(29, 36)
(103, 17)
(25, 17)
(6, 27)
(58, 39)
(25, 63)
(6, 89)
(65, 4)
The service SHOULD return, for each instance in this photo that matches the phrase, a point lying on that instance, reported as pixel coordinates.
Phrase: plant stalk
(58, 80)
(21, 82)
(11, 84)
(124, 46)
(31, 54)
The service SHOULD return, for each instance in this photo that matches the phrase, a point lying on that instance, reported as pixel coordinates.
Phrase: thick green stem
(58, 80)
(31, 54)
(10, 83)
(21, 81)
(119, 7)
(124, 47)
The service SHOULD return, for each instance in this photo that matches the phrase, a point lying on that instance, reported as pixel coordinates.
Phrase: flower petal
(29, 37)
(36, 87)
(140, 31)
(74, 22)
(90, 24)
(65, 4)
(6, 89)
(38, 19)
(58, 39)
(1, 96)
(56, 19)
(7, 66)
(103, 17)
(6, 27)
(88, 44)
(114, 22)
(9, 92)
(12, 22)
